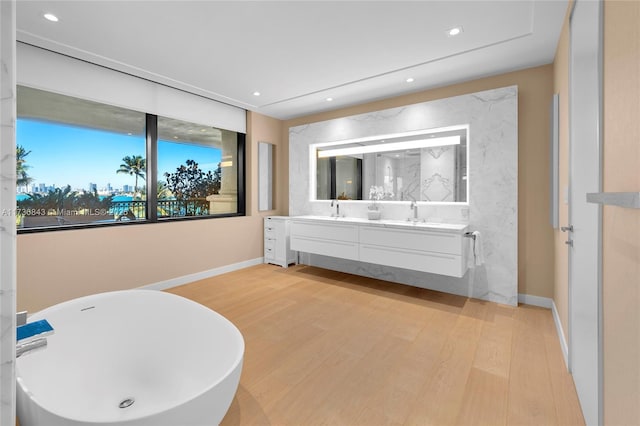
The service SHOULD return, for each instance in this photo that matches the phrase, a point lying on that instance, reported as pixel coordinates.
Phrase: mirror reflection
(416, 166)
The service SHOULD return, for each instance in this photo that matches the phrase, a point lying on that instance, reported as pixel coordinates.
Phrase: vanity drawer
(325, 231)
(341, 249)
(269, 254)
(274, 228)
(269, 243)
(435, 263)
(269, 233)
(328, 239)
(418, 239)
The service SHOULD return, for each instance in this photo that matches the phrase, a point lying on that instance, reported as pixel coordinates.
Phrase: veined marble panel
(7, 212)
(492, 209)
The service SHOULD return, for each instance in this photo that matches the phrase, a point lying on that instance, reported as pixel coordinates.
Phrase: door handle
(566, 228)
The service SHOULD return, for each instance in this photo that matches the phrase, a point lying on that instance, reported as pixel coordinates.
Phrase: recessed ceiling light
(410, 80)
(50, 17)
(256, 93)
(329, 99)
(454, 31)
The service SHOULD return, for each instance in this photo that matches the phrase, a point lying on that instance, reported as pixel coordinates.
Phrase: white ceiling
(299, 53)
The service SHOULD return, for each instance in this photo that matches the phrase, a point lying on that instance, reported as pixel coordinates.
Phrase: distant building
(93, 187)
(127, 188)
(109, 188)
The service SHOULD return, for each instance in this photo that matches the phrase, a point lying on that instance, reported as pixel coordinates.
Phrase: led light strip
(391, 146)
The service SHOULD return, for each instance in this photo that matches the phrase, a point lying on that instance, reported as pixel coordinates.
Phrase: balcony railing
(131, 210)
(118, 211)
(176, 208)
(128, 210)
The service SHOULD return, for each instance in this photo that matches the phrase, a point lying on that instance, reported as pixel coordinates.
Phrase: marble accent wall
(7, 210)
(492, 209)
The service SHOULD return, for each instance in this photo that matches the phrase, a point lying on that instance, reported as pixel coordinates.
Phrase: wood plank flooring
(328, 348)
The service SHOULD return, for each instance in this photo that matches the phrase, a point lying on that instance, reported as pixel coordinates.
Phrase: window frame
(151, 173)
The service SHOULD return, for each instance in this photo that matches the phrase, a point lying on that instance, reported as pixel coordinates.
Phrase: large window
(82, 163)
(197, 169)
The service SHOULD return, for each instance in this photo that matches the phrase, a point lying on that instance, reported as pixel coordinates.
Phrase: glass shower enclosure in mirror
(424, 165)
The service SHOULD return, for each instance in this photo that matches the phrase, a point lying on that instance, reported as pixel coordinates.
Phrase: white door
(584, 233)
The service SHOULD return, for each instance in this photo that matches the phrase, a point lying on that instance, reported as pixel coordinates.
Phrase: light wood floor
(324, 347)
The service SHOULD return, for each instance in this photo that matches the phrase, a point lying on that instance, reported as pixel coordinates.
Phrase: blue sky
(66, 155)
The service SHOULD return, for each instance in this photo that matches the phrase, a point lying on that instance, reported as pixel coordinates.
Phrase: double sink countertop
(390, 223)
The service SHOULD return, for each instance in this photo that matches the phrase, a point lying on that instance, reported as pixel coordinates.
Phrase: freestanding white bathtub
(133, 357)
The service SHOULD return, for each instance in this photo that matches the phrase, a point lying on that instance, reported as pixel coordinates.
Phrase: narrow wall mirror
(424, 165)
(265, 176)
(554, 162)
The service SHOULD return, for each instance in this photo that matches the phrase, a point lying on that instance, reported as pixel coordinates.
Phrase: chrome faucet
(337, 203)
(22, 348)
(414, 207)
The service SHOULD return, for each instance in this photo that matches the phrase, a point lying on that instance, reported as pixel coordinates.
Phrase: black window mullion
(241, 208)
(152, 169)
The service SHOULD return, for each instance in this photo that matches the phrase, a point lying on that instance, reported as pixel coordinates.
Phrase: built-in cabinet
(277, 249)
(434, 248)
(330, 238)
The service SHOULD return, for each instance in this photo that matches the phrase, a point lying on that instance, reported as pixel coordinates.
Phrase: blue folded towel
(34, 329)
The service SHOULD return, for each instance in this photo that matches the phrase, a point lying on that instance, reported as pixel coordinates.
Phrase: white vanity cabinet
(329, 238)
(434, 248)
(417, 248)
(277, 248)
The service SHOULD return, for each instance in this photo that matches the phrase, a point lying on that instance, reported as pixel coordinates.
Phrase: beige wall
(535, 235)
(61, 265)
(267, 129)
(561, 86)
(621, 227)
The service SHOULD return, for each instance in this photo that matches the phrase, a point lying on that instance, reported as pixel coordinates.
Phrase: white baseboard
(185, 279)
(543, 302)
(563, 340)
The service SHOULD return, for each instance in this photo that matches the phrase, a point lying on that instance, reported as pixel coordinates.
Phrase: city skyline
(62, 155)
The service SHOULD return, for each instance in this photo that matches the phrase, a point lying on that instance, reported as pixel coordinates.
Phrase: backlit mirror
(424, 165)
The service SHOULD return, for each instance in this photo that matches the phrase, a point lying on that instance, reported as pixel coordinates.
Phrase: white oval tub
(178, 361)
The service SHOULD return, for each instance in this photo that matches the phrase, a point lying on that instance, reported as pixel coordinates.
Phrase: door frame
(600, 133)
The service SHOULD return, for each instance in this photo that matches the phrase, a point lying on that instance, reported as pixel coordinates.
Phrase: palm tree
(22, 178)
(133, 165)
(163, 190)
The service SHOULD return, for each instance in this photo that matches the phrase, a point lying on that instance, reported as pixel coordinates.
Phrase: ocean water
(122, 198)
(20, 197)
